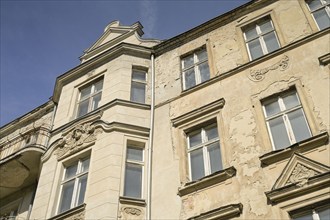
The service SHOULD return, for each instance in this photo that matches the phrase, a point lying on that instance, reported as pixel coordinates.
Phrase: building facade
(228, 120)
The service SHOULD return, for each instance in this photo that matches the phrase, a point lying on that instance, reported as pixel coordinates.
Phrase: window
(90, 97)
(260, 38)
(204, 154)
(322, 213)
(195, 69)
(320, 11)
(73, 186)
(133, 172)
(138, 86)
(286, 120)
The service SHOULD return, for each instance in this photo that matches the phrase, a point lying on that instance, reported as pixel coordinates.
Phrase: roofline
(209, 26)
(49, 104)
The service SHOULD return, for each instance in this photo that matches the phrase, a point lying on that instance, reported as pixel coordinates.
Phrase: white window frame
(136, 81)
(204, 145)
(284, 114)
(76, 178)
(314, 211)
(197, 63)
(135, 163)
(90, 96)
(260, 36)
(324, 5)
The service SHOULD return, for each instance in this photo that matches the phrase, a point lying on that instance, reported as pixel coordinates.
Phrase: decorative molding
(325, 59)
(298, 170)
(300, 147)
(132, 211)
(199, 112)
(300, 175)
(79, 138)
(207, 181)
(224, 212)
(132, 201)
(259, 75)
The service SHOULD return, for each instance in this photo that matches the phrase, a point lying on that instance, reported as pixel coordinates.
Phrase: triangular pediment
(298, 170)
(113, 31)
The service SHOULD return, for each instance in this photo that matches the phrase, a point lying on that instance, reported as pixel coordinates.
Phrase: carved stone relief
(300, 175)
(77, 139)
(129, 212)
(259, 75)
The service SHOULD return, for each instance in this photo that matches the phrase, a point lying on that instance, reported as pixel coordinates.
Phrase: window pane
(188, 61)
(138, 92)
(139, 75)
(197, 164)
(85, 165)
(96, 101)
(195, 139)
(324, 214)
(201, 55)
(133, 181)
(255, 49)
(98, 86)
(314, 4)
(251, 34)
(134, 154)
(322, 18)
(190, 80)
(70, 171)
(215, 157)
(291, 101)
(299, 125)
(211, 133)
(85, 92)
(204, 71)
(272, 108)
(81, 189)
(305, 217)
(266, 26)
(66, 196)
(279, 133)
(83, 108)
(271, 42)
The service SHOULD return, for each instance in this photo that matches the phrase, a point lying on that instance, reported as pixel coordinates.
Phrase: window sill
(325, 59)
(207, 181)
(302, 146)
(132, 201)
(74, 213)
(224, 212)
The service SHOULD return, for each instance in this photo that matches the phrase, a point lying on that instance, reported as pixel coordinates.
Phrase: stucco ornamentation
(300, 175)
(77, 139)
(132, 211)
(259, 75)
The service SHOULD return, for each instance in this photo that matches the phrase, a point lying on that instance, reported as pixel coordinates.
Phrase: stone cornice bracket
(259, 75)
(79, 138)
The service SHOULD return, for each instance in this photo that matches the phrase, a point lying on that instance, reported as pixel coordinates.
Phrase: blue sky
(43, 39)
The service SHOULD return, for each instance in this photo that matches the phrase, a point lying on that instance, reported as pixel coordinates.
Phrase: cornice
(28, 118)
(97, 113)
(120, 49)
(210, 25)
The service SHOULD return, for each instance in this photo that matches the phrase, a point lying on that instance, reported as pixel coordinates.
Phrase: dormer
(115, 33)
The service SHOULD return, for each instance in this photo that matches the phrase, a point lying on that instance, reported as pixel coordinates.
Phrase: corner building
(229, 120)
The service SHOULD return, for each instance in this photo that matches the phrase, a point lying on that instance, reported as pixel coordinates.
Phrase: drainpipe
(151, 134)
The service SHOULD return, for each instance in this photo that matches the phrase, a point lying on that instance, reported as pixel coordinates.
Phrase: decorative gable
(301, 176)
(114, 34)
(298, 170)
